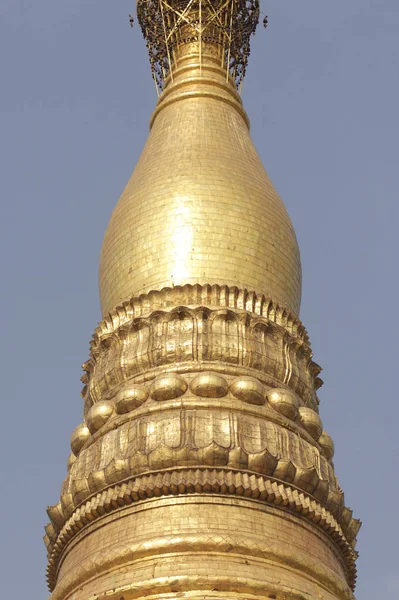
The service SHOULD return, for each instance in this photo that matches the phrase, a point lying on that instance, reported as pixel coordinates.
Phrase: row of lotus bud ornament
(79, 437)
(98, 415)
(284, 402)
(130, 398)
(169, 386)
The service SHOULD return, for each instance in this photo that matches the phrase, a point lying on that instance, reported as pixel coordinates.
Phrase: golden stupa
(201, 469)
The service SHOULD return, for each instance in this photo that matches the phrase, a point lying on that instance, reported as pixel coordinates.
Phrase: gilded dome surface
(199, 206)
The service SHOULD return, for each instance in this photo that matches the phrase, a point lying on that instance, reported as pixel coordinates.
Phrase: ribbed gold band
(202, 481)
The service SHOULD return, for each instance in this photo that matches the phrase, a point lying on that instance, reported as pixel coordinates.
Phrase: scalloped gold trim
(155, 339)
(217, 481)
(210, 295)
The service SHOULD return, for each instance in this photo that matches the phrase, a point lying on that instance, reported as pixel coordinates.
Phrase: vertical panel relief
(179, 329)
(265, 348)
(294, 353)
(121, 356)
(304, 372)
(201, 342)
(205, 428)
(198, 335)
(104, 364)
(225, 339)
(208, 436)
(136, 348)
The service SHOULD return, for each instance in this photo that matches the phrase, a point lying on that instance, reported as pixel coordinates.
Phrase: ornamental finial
(167, 25)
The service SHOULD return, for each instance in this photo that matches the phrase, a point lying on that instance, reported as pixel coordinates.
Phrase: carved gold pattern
(201, 469)
(311, 421)
(176, 434)
(199, 336)
(208, 482)
(98, 415)
(130, 397)
(79, 436)
(284, 401)
(327, 445)
(248, 389)
(196, 295)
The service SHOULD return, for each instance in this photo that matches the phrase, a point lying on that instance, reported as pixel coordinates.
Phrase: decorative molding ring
(181, 333)
(210, 295)
(203, 481)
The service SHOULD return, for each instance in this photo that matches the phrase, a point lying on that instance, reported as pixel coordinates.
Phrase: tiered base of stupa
(201, 470)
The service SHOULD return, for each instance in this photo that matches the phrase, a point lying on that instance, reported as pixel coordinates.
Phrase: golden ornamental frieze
(283, 440)
(208, 481)
(195, 295)
(203, 437)
(199, 335)
(233, 391)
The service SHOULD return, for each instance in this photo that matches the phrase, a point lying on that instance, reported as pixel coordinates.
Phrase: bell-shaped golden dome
(199, 206)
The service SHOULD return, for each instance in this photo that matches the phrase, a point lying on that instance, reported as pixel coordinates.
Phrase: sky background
(76, 95)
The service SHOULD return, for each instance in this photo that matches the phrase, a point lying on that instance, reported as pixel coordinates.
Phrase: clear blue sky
(322, 92)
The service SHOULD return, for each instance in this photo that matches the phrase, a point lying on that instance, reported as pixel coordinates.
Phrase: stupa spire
(201, 469)
(199, 207)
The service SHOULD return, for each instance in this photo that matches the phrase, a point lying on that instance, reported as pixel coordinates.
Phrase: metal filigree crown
(226, 25)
